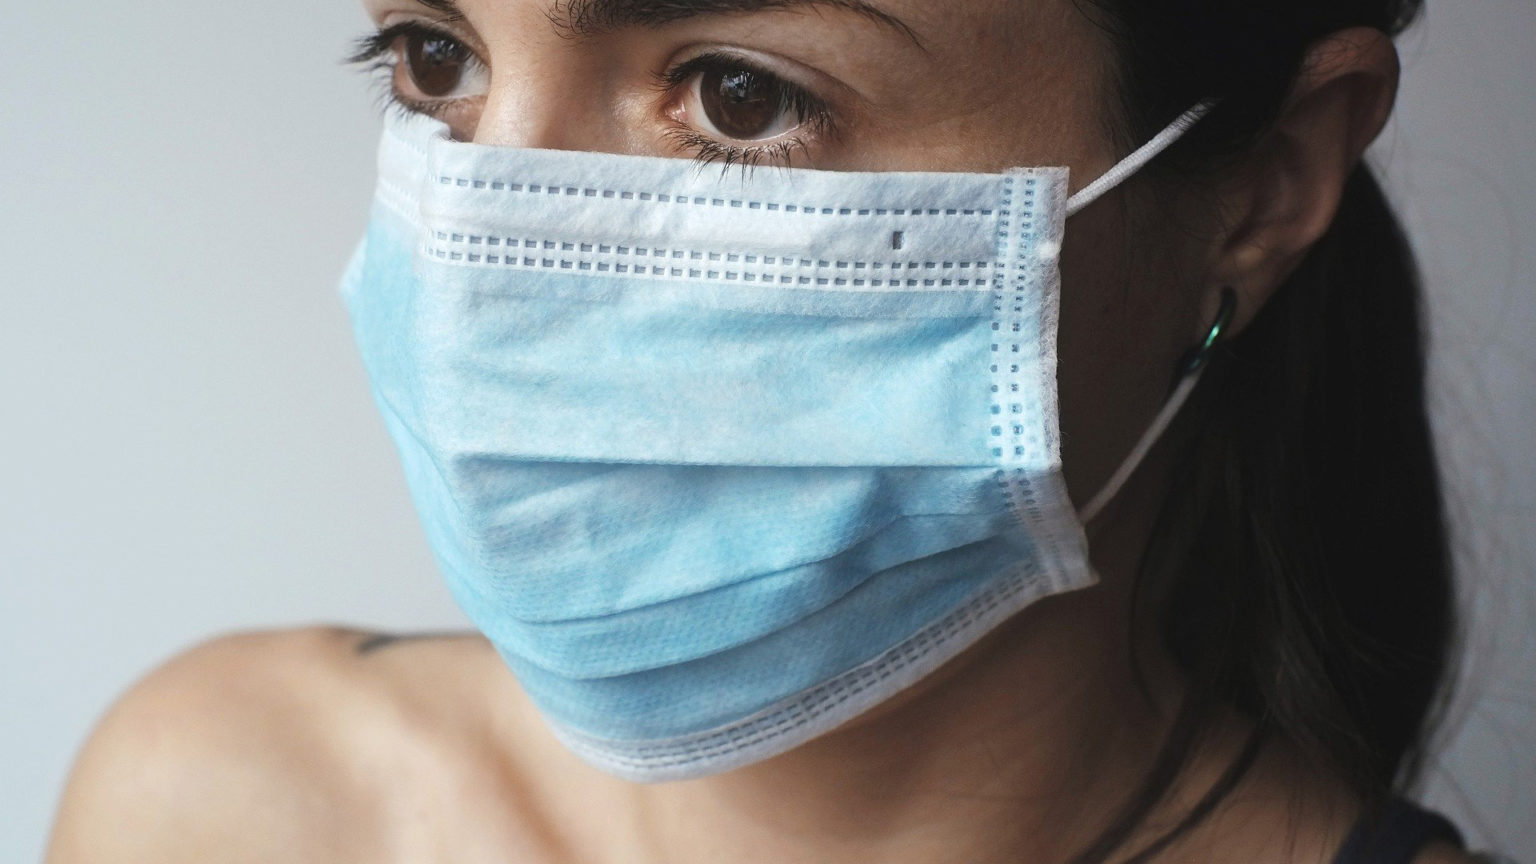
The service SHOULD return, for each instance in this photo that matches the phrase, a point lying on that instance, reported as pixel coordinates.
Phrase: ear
(1282, 199)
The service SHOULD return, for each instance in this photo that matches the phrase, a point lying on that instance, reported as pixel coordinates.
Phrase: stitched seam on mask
(700, 200)
(1015, 361)
(1012, 362)
(1002, 366)
(1052, 526)
(610, 259)
(1055, 526)
(1009, 423)
(1049, 263)
(661, 253)
(1024, 353)
(975, 617)
(689, 274)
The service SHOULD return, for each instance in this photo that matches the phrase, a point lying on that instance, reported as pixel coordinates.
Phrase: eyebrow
(585, 19)
(447, 8)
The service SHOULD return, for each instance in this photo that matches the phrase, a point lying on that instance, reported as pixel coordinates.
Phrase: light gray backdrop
(186, 441)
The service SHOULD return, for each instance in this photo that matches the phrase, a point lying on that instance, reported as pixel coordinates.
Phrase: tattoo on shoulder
(379, 641)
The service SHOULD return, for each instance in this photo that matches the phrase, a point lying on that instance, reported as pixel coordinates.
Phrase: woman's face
(883, 85)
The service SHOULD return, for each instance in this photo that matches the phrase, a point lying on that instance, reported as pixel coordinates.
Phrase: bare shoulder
(260, 747)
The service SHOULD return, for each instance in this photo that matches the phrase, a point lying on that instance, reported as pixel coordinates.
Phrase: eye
(745, 105)
(430, 65)
(426, 70)
(729, 99)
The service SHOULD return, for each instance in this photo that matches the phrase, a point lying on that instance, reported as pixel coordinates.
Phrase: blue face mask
(718, 461)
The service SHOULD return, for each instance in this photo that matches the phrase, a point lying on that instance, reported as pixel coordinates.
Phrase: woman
(696, 450)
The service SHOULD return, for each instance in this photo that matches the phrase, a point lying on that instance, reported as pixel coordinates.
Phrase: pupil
(741, 103)
(738, 86)
(436, 64)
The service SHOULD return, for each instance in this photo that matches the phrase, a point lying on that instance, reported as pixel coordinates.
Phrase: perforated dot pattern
(619, 259)
(662, 197)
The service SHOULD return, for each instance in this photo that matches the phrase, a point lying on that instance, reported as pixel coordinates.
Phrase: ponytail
(1300, 560)
(1302, 540)
(1327, 608)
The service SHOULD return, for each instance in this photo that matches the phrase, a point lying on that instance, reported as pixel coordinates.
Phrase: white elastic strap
(1159, 425)
(1138, 160)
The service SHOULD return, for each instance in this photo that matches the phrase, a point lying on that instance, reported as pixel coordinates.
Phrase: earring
(1196, 358)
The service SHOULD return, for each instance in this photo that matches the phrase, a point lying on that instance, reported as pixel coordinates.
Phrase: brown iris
(434, 63)
(742, 104)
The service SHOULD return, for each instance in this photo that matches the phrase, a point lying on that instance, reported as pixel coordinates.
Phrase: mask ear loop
(1186, 376)
(1138, 159)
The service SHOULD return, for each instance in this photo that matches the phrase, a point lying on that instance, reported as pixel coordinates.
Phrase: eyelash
(374, 52)
(813, 116)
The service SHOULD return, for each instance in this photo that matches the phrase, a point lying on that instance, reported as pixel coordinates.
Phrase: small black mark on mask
(899, 240)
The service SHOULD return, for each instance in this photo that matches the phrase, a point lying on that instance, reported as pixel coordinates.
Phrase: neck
(1021, 749)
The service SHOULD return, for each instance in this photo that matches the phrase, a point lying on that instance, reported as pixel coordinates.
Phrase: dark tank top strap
(1400, 832)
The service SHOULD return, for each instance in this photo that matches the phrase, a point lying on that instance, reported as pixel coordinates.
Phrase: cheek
(1125, 310)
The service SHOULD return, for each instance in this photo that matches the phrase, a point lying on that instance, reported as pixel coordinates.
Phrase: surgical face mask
(720, 460)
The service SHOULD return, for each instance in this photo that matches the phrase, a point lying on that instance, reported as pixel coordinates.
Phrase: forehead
(933, 23)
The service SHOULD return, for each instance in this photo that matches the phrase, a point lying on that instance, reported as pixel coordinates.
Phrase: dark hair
(1302, 540)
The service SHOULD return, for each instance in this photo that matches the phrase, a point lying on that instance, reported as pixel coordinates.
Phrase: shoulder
(258, 746)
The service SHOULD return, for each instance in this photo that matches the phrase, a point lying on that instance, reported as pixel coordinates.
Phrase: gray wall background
(186, 441)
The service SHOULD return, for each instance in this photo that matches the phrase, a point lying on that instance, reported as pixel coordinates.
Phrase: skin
(332, 745)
